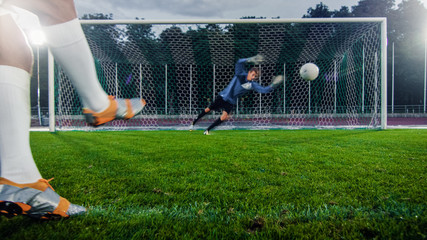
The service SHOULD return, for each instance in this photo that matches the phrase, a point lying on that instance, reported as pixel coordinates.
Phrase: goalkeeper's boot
(206, 132)
(119, 109)
(37, 200)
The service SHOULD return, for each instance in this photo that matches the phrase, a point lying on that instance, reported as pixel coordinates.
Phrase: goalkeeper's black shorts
(219, 104)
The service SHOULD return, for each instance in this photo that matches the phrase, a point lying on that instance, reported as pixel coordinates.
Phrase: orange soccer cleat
(119, 109)
(37, 200)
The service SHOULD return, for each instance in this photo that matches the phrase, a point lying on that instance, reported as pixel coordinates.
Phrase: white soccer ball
(309, 71)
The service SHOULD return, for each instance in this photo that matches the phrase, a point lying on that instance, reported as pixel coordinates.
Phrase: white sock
(16, 161)
(71, 50)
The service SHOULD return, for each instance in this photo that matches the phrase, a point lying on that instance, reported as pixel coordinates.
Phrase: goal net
(180, 67)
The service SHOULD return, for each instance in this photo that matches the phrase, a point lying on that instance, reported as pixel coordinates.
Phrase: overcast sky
(206, 9)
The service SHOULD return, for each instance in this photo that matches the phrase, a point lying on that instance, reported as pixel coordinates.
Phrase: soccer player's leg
(68, 44)
(16, 162)
(15, 50)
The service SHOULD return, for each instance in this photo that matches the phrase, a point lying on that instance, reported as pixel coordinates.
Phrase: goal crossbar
(237, 21)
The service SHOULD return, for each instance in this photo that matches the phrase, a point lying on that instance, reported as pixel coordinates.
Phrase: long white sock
(16, 161)
(71, 50)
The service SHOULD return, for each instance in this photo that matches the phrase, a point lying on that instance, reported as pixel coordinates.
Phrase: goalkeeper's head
(253, 74)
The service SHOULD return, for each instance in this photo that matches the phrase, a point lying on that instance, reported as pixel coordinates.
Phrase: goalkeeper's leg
(215, 105)
(217, 122)
(202, 114)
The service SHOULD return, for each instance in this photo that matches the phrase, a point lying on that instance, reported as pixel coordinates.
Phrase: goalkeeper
(241, 84)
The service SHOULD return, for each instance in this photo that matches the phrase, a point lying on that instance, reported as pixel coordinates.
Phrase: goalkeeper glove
(277, 81)
(256, 59)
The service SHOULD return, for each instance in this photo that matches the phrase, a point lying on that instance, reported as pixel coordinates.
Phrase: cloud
(174, 9)
(189, 8)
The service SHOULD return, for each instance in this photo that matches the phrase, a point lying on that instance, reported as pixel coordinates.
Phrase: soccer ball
(309, 71)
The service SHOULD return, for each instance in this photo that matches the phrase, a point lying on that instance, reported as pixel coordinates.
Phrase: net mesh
(180, 68)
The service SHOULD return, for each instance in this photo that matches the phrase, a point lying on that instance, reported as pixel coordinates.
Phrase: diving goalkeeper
(241, 84)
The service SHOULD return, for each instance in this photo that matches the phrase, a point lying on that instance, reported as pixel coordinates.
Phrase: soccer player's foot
(41, 184)
(206, 132)
(37, 200)
(119, 109)
(191, 128)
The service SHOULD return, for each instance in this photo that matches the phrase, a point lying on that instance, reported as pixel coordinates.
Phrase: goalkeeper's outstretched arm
(261, 89)
(276, 82)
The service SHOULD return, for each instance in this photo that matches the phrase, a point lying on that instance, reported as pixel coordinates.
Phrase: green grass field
(277, 184)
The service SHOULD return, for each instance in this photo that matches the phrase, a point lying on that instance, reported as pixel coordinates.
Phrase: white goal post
(181, 66)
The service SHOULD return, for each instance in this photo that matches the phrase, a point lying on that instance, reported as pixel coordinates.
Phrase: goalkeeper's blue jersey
(240, 86)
